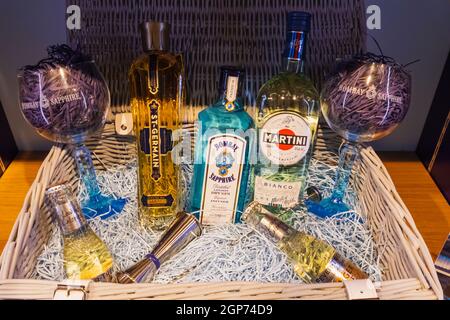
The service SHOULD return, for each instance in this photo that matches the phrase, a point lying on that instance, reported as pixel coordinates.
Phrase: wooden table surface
(427, 205)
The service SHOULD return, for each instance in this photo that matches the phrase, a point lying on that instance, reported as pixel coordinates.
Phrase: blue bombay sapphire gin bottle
(222, 155)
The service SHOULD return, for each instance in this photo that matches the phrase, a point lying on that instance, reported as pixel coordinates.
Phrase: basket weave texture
(408, 270)
(211, 34)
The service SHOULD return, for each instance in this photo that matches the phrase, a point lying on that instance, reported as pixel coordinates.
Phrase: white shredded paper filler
(226, 253)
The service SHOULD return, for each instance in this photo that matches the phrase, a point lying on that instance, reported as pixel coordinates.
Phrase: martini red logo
(285, 139)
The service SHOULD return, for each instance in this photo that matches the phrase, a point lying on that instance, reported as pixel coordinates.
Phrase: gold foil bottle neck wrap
(67, 209)
(263, 221)
(340, 269)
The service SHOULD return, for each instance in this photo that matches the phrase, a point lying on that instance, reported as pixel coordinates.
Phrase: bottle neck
(263, 221)
(70, 218)
(231, 84)
(228, 106)
(294, 55)
(156, 51)
(67, 209)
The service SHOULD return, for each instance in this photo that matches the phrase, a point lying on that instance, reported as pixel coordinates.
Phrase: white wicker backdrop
(250, 33)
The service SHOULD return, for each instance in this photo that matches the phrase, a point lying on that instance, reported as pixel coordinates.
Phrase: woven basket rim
(416, 250)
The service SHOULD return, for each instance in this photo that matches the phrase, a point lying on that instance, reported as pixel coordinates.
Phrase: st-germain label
(221, 185)
(155, 140)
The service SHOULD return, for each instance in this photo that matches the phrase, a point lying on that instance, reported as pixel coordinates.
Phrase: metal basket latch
(360, 289)
(71, 290)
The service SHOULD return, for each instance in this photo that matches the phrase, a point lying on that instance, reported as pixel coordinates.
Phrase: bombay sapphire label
(285, 138)
(225, 156)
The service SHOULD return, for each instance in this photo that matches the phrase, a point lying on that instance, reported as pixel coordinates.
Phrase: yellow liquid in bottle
(85, 255)
(313, 260)
(309, 255)
(156, 103)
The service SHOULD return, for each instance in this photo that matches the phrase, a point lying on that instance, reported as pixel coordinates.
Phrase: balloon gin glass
(365, 100)
(66, 99)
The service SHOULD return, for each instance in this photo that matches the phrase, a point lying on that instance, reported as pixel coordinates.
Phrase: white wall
(27, 27)
(411, 29)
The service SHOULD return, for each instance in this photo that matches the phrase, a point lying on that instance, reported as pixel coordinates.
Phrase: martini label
(285, 139)
(277, 193)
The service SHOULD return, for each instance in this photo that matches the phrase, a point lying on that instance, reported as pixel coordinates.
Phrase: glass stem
(86, 169)
(348, 154)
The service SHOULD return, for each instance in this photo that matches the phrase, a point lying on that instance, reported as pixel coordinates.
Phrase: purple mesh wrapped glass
(367, 98)
(65, 98)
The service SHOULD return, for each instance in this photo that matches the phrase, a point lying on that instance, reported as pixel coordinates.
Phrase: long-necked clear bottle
(287, 118)
(157, 87)
(314, 260)
(85, 255)
(222, 151)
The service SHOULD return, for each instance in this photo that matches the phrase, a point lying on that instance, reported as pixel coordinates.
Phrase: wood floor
(430, 210)
(14, 185)
(427, 205)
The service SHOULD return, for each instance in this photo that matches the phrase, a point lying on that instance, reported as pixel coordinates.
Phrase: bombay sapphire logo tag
(224, 162)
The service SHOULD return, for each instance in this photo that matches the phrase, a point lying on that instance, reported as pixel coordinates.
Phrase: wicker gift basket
(209, 35)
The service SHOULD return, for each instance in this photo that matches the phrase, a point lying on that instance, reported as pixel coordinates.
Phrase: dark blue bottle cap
(299, 21)
(232, 71)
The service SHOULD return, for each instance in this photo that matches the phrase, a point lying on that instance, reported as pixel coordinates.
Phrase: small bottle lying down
(314, 260)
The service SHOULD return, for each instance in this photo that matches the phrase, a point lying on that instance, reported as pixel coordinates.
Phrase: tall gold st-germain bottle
(156, 79)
